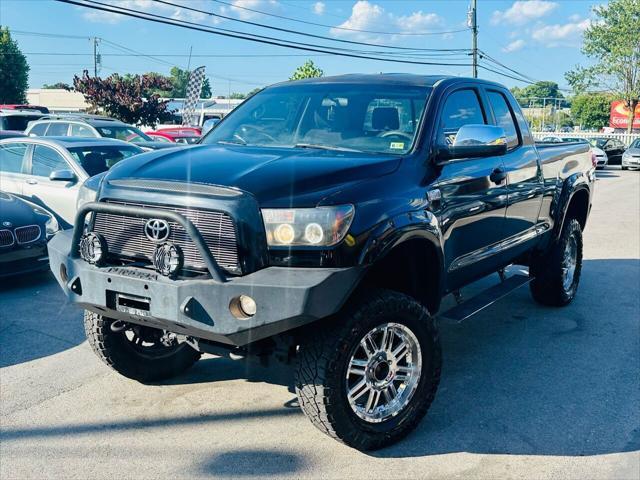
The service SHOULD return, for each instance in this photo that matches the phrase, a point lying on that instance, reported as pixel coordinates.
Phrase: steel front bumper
(286, 298)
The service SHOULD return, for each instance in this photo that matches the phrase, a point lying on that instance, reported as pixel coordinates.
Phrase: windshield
(96, 159)
(598, 142)
(635, 144)
(363, 118)
(126, 133)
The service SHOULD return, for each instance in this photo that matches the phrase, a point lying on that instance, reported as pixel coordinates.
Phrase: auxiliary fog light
(243, 307)
(168, 259)
(93, 248)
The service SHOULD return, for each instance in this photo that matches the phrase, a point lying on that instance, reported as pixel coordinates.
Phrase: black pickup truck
(322, 222)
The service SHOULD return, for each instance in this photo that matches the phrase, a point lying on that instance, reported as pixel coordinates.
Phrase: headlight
(52, 226)
(86, 195)
(309, 227)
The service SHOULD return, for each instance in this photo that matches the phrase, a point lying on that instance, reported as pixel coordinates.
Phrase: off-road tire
(114, 350)
(547, 270)
(324, 355)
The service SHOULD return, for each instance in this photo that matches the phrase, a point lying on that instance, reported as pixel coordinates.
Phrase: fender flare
(572, 185)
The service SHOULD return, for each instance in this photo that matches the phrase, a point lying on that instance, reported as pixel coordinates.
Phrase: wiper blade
(325, 147)
(227, 142)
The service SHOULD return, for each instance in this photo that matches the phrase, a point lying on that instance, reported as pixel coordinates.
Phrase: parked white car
(631, 158)
(49, 172)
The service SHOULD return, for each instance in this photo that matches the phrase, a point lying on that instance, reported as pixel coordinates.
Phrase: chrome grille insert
(6, 238)
(27, 234)
(125, 235)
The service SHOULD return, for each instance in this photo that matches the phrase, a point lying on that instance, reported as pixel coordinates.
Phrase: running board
(485, 298)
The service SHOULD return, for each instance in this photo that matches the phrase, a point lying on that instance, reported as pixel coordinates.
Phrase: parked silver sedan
(49, 171)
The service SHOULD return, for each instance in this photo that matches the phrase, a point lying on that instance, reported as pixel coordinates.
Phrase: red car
(187, 135)
(24, 107)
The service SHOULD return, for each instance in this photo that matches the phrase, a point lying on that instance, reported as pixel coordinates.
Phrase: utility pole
(96, 56)
(472, 22)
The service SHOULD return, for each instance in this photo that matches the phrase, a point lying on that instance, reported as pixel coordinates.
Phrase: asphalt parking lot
(526, 392)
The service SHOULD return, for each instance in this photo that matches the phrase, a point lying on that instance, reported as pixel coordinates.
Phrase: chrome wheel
(569, 262)
(383, 372)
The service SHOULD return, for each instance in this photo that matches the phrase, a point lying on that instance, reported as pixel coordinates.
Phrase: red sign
(620, 115)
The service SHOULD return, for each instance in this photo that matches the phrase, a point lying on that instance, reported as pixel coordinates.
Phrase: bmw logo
(157, 230)
(7, 224)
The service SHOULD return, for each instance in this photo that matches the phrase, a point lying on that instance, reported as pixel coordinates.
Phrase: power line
(305, 22)
(240, 35)
(279, 29)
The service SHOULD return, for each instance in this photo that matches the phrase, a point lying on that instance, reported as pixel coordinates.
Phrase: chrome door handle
(32, 181)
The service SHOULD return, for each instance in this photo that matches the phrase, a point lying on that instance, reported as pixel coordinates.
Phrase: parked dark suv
(322, 222)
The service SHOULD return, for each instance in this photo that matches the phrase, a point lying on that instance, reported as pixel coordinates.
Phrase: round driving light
(248, 305)
(93, 248)
(313, 233)
(168, 259)
(284, 234)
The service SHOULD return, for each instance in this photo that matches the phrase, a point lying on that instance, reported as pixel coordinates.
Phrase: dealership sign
(620, 115)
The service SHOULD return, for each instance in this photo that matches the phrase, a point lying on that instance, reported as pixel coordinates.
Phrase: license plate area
(130, 304)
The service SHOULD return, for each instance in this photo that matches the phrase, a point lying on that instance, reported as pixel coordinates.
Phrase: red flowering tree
(132, 98)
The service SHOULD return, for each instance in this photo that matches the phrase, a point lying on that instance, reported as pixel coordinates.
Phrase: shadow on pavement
(250, 463)
(517, 379)
(35, 319)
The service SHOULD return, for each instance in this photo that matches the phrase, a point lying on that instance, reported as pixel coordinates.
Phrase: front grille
(27, 234)
(125, 236)
(6, 238)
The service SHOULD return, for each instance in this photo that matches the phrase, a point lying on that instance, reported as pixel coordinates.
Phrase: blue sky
(538, 38)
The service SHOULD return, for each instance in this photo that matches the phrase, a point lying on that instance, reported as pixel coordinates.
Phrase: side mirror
(63, 176)
(475, 141)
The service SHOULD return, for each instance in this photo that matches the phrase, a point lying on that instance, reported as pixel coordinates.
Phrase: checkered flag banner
(194, 86)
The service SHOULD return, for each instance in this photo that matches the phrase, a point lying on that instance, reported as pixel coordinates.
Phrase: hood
(598, 151)
(633, 151)
(272, 175)
(18, 212)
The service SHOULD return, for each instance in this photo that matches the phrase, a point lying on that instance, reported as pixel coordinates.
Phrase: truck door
(473, 195)
(524, 181)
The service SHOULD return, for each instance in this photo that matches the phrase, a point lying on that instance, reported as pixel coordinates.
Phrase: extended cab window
(46, 160)
(504, 117)
(11, 156)
(460, 108)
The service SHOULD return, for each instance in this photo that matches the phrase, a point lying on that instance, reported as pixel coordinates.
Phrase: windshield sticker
(396, 145)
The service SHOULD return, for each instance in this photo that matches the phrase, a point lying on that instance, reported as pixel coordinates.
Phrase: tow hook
(118, 326)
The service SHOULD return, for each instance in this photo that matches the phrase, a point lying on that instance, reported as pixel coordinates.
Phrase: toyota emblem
(157, 230)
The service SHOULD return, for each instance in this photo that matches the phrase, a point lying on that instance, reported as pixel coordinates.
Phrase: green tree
(591, 110)
(533, 95)
(180, 79)
(253, 92)
(57, 86)
(308, 70)
(237, 96)
(613, 42)
(130, 98)
(14, 70)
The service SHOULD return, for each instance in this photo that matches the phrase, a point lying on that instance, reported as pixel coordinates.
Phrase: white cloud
(418, 22)
(561, 35)
(319, 8)
(523, 11)
(369, 16)
(514, 46)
